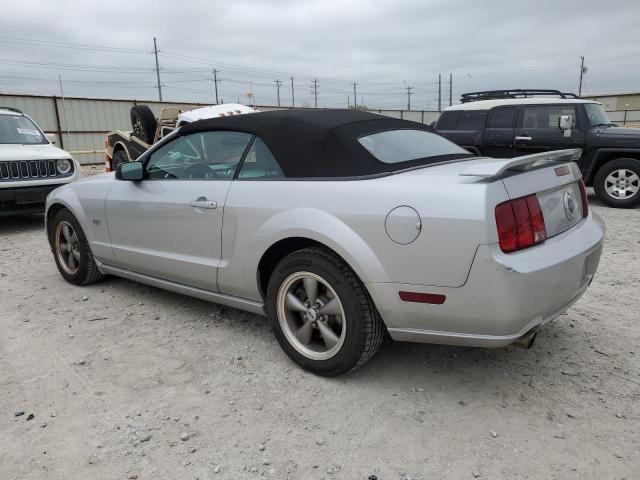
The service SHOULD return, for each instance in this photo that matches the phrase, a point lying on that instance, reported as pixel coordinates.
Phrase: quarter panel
(349, 217)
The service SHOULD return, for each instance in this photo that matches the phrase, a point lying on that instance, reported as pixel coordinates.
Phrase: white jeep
(30, 165)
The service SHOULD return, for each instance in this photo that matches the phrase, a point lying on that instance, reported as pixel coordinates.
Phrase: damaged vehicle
(340, 226)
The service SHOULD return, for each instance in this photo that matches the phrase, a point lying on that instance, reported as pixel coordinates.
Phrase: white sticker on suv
(28, 131)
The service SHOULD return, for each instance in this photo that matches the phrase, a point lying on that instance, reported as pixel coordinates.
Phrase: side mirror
(132, 171)
(51, 137)
(565, 122)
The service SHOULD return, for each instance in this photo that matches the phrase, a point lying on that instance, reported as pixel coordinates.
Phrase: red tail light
(585, 200)
(520, 223)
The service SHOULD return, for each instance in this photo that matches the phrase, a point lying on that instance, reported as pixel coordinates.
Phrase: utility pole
(278, 83)
(409, 93)
(64, 110)
(439, 92)
(315, 92)
(293, 95)
(155, 52)
(450, 89)
(355, 97)
(215, 83)
(583, 70)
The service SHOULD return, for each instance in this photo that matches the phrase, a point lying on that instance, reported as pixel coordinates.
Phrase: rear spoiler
(495, 167)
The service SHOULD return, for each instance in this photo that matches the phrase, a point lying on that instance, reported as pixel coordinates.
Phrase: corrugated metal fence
(81, 124)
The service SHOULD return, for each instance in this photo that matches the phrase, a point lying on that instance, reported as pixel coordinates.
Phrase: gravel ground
(123, 381)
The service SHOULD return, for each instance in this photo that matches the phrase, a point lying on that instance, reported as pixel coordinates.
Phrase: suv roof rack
(12, 109)
(516, 93)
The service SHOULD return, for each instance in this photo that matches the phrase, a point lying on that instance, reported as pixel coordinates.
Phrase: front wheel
(71, 250)
(321, 314)
(617, 183)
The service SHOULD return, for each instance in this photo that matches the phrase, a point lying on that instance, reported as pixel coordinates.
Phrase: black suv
(511, 123)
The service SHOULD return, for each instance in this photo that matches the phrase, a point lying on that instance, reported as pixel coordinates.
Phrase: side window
(472, 120)
(199, 156)
(502, 117)
(546, 116)
(449, 120)
(260, 163)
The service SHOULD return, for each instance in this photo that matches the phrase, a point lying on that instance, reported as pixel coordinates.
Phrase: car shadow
(21, 224)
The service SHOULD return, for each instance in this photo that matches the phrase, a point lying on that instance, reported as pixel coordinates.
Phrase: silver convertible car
(340, 226)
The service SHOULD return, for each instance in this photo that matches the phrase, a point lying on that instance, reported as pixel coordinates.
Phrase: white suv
(30, 165)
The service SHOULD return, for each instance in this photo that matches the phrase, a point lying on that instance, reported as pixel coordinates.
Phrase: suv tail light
(520, 223)
(585, 200)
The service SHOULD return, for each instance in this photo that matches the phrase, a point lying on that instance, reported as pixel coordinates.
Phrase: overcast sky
(103, 49)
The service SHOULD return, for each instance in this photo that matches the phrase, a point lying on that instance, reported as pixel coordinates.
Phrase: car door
(499, 132)
(538, 129)
(169, 224)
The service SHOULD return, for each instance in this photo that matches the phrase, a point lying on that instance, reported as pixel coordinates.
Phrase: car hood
(617, 131)
(31, 152)
(618, 136)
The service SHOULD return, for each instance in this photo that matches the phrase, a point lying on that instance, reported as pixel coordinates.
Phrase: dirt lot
(123, 381)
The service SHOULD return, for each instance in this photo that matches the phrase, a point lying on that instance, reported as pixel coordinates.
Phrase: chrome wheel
(622, 183)
(311, 315)
(67, 248)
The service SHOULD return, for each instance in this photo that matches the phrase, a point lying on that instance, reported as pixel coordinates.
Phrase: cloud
(383, 46)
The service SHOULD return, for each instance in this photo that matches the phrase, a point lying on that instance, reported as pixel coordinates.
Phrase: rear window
(395, 146)
(502, 117)
(472, 120)
(449, 120)
(19, 130)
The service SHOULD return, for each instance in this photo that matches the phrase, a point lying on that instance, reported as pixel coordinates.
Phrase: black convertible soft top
(318, 143)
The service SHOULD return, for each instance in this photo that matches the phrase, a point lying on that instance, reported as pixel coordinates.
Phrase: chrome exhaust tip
(526, 341)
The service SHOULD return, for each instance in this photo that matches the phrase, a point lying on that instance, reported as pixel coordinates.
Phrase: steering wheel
(197, 171)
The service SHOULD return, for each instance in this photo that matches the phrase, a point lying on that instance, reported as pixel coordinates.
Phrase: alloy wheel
(622, 184)
(311, 315)
(67, 247)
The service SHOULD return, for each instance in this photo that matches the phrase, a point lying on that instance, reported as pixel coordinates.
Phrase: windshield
(395, 146)
(597, 115)
(19, 130)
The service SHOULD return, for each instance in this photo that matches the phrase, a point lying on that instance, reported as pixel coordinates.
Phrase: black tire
(364, 329)
(87, 270)
(603, 178)
(119, 156)
(144, 123)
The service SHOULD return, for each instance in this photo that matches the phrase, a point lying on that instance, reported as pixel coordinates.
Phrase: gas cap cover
(403, 225)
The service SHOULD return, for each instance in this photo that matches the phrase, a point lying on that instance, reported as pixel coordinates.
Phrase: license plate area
(28, 196)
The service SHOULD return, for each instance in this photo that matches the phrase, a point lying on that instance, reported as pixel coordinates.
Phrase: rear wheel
(144, 123)
(321, 314)
(71, 250)
(617, 183)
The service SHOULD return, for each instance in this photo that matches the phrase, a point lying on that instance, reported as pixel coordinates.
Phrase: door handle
(202, 202)
(526, 139)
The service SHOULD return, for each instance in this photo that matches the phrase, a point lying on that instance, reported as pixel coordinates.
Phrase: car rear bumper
(21, 200)
(505, 295)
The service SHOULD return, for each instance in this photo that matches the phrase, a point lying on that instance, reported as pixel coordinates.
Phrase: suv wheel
(617, 183)
(71, 250)
(321, 314)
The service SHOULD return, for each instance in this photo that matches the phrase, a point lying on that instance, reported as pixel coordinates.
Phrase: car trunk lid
(553, 177)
